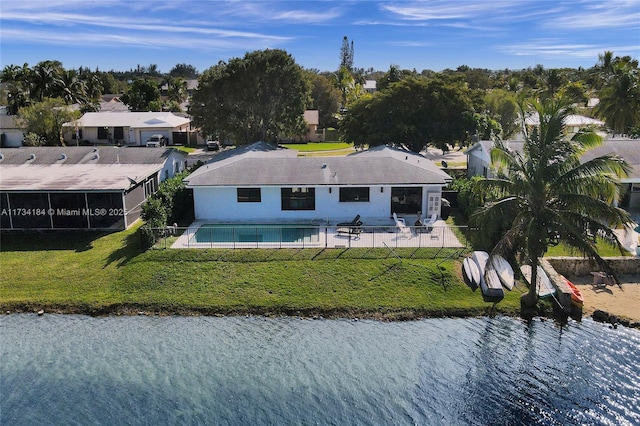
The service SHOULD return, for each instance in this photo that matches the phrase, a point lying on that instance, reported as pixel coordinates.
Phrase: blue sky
(493, 34)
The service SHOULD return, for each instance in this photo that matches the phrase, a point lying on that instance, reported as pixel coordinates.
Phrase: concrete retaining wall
(577, 266)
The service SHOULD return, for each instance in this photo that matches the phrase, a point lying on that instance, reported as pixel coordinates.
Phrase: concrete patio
(383, 234)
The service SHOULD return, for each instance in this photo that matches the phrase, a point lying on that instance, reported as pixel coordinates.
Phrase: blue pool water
(256, 234)
(78, 370)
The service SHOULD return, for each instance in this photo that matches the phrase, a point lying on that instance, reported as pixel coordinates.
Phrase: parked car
(213, 146)
(156, 141)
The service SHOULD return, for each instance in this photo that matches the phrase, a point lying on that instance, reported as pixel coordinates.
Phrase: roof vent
(1, 157)
(63, 157)
(95, 149)
(324, 165)
(32, 156)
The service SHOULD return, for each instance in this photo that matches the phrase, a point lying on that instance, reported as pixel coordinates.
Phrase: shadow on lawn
(45, 241)
(130, 248)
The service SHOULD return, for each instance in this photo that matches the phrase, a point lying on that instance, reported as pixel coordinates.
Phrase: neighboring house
(80, 187)
(127, 128)
(572, 123)
(479, 163)
(370, 86)
(312, 118)
(10, 134)
(112, 103)
(265, 183)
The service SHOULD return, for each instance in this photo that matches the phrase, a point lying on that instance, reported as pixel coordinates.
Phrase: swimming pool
(213, 233)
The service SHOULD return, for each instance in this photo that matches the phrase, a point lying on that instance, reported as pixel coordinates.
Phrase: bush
(469, 198)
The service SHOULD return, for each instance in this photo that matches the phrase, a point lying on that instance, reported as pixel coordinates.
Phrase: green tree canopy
(620, 97)
(502, 105)
(183, 71)
(262, 96)
(546, 195)
(325, 98)
(46, 119)
(141, 94)
(415, 112)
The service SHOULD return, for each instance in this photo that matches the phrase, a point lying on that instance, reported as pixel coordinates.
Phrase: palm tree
(176, 89)
(17, 81)
(45, 78)
(71, 88)
(620, 99)
(546, 195)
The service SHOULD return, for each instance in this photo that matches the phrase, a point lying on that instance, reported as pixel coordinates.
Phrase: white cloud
(555, 49)
(75, 38)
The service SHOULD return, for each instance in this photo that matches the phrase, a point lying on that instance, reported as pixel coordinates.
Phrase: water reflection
(183, 370)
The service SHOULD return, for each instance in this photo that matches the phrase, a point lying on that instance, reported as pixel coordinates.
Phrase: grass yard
(185, 149)
(318, 146)
(107, 273)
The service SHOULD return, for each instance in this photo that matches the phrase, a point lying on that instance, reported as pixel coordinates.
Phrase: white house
(572, 123)
(264, 183)
(10, 134)
(126, 128)
(479, 163)
(80, 187)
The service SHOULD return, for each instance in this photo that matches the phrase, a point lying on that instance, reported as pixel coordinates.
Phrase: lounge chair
(352, 223)
(350, 228)
(400, 223)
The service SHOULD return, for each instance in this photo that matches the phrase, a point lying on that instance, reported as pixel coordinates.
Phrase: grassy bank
(108, 274)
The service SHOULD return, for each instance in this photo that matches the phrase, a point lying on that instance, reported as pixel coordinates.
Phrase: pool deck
(383, 234)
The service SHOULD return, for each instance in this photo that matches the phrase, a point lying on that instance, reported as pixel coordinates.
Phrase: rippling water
(67, 369)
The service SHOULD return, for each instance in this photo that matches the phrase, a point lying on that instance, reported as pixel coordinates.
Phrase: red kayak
(576, 295)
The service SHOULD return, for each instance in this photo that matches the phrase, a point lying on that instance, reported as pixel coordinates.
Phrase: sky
(435, 35)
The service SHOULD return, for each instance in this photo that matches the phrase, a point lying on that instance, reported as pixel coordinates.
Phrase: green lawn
(318, 146)
(185, 149)
(107, 273)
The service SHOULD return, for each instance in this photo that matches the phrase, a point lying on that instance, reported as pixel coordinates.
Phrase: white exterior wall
(477, 161)
(174, 164)
(220, 204)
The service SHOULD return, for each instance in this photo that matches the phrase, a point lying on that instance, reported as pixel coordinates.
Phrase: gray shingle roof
(628, 149)
(275, 167)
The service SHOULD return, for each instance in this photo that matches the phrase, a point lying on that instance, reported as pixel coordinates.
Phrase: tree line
(263, 95)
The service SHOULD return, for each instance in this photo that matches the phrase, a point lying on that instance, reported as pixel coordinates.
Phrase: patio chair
(354, 222)
(350, 228)
(400, 223)
(429, 224)
(425, 226)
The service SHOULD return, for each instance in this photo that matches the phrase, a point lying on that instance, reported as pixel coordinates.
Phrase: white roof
(572, 120)
(74, 177)
(370, 84)
(132, 119)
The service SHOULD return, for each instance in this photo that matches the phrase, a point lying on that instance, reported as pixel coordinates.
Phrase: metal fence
(306, 236)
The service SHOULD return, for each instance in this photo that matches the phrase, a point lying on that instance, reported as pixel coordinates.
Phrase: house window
(118, 133)
(298, 198)
(149, 187)
(635, 187)
(103, 133)
(406, 200)
(249, 195)
(355, 194)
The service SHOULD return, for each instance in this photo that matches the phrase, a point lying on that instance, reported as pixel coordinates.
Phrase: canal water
(79, 370)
